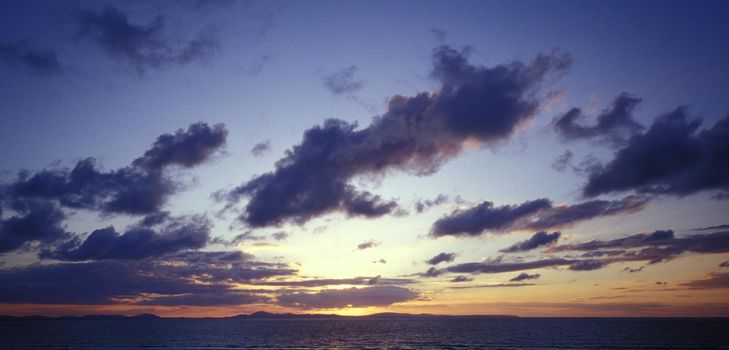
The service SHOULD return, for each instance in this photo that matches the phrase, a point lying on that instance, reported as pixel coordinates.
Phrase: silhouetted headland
(255, 315)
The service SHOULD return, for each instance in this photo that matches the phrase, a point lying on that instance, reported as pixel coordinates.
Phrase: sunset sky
(211, 158)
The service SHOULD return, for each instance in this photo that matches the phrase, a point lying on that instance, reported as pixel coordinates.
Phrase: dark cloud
(655, 247)
(713, 280)
(442, 257)
(212, 258)
(461, 278)
(539, 239)
(672, 157)
(367, 245)
(568, 215)
(261, 148)
(187, 278)
(343, 81)
(498, 285)
(205, 5)
(720, 196)
(525, 276)
(417, 134)
(563, 161)
(136, 243)
(246, 236)
(353, 297)
(486, 217)
(634, 269)
(431, 272)
(499, 266)
(422, 205)
(280, 235)
(538, 214)
(614, 125)
(140, 188)
(36, 221)
(439, 34)
(566, 162)
(186, 148)
(712, 228)
(142, 46)
(652, 248)
(25, 54)
(588, 265)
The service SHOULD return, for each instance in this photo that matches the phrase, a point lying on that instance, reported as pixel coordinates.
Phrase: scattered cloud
(322, 282)
(367, 245)
(461, 278)
(614, 125)
(439, 34)
(660, 245)
(142, 46)
(421, 205)
(261, 148)
(538, 214)
(343, 81)
(246, 236)
(712, 228)
(280, 235)
(28, 55)
(497, 285)
(525, 276)
(539, 239)
(713, 280)
(442, 257)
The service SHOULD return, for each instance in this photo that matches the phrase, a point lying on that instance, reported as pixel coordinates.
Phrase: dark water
(524, 333)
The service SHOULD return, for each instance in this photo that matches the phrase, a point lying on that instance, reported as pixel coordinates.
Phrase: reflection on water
(486, 333)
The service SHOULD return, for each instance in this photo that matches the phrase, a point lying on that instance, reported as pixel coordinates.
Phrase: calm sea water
(523, 333)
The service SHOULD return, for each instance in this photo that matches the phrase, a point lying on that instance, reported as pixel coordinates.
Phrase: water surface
(451, 333)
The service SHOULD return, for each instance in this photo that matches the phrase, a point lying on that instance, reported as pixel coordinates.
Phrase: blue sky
(262, 69)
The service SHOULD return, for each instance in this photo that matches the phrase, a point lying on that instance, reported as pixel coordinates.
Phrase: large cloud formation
(538, 214)
(35, 200)
(672, 157)
(417, 134)
(139, 242)
(187, 278)
(139, 188)
(37, 221)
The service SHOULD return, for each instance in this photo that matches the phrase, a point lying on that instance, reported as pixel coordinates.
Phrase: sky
(211, 158)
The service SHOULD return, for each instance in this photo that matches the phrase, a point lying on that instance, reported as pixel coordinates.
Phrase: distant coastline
(256, 315)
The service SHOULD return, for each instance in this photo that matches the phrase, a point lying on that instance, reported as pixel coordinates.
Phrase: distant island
(256, 315)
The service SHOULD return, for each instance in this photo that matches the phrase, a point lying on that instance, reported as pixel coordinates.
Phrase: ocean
(355, 333)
